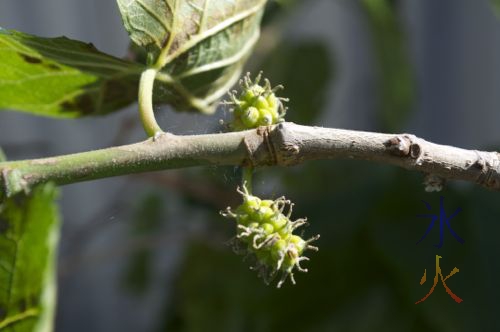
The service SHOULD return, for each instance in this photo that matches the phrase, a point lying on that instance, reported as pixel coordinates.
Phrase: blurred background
(148, 252)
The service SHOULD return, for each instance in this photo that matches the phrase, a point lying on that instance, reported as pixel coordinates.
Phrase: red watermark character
(443, 280)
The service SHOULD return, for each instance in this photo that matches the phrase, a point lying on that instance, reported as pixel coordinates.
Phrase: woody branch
(281, 145)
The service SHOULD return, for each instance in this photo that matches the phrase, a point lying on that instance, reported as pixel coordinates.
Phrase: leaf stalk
(146, 111)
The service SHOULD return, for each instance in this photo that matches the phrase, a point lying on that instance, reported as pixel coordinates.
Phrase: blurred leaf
(397, 86)
(305, 70)
(60, 77)
(148, 219)
(496, 6)
(29, 232)
(201, 45)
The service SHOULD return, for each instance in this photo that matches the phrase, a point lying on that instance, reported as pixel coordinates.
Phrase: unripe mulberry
(265, 231)
(256, 105)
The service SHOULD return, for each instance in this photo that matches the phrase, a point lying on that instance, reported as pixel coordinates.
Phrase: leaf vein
(224, 62)
(151, 12)
(214, 30)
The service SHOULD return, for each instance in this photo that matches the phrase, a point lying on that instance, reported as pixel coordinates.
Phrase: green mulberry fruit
(265, 232)
(256, 105)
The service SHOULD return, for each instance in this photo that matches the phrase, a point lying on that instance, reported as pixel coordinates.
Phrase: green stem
(146, 102)
(18, 317)
(150, 155)
(247, 177)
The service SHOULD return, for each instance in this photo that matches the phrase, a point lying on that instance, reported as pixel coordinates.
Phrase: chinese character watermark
(443, 218)
(443, 280)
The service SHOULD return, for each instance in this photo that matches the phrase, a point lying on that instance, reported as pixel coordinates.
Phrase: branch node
(157, 136)
(264, 132)
(399, 145)
(251, 160)
(12, 182)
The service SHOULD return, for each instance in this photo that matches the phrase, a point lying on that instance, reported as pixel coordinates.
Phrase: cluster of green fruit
(266, 232)
(256, 105)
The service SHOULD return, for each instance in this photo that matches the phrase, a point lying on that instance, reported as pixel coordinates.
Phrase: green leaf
(60, 77)
(29, 232)
(201, 45)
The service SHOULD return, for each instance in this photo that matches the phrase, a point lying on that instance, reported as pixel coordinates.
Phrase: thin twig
(282, 145)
